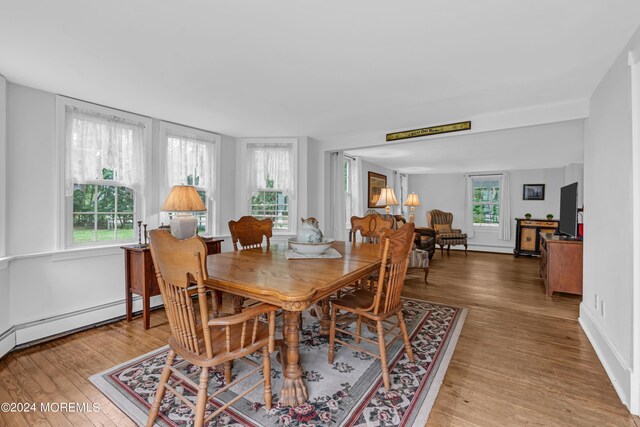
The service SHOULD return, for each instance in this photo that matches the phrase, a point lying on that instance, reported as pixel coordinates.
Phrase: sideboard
(561, 264)
(140, 275)
(528, 234)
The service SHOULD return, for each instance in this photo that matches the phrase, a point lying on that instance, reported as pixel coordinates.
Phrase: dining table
(265, 275)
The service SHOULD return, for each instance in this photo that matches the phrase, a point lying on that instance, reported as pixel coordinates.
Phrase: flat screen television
(569, 210)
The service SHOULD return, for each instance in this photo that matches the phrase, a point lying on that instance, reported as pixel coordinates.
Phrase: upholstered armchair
(446, 235)
(425, 237)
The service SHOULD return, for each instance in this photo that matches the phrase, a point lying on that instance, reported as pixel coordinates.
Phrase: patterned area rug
(348, 392)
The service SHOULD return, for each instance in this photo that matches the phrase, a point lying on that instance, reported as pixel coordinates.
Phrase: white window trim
(493, 228)
(213, 208)
(64, 235)
(243, 203)
(3, 166)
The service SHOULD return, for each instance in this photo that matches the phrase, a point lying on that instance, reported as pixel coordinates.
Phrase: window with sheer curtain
(270, 177)
(191, 160)
(104, 175)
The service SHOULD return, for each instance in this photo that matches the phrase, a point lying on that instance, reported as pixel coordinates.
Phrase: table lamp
(183, 199)
(387, 199)
(413, 201)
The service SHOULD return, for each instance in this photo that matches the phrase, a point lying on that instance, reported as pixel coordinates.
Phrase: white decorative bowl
(307, 248)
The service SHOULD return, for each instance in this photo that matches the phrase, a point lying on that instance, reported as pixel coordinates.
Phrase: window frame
(64, 235)
(243, 204)
(213, 207)
(486, 226)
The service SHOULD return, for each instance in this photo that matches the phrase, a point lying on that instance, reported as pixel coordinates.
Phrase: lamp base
(412, 215)
(183, 226)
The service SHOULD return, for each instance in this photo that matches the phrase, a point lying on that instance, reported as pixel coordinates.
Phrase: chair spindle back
(370, 226)
(396, 246)
(179, 263)
(249, 232)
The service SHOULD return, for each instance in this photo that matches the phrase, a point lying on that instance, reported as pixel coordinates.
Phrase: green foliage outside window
(486, 202)
(102, 212)
(271, 204)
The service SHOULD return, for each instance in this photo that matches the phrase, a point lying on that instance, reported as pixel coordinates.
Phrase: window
(103, 213)
(270, 174)
(104, 166)
(271, 204)
(191, 159)
(348, 193)
(486, 201)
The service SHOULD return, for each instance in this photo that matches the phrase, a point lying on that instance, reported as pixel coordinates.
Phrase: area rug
(348, 392)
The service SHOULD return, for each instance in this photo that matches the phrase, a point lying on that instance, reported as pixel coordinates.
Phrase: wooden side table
(140, 275)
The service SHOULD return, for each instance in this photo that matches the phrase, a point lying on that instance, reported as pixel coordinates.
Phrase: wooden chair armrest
(247, 313)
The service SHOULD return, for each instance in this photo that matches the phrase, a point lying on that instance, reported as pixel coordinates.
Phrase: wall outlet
(602, 308)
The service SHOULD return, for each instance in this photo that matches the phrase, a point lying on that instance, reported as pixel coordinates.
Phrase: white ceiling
(314, 68)
(535, 147)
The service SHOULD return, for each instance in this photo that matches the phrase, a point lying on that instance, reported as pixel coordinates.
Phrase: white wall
(446, 192)
(608, 198)
(364, 176)
(50, 290)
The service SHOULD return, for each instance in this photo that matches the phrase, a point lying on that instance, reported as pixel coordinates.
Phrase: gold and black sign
(433, 130)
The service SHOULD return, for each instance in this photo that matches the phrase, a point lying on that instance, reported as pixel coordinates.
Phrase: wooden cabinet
(561, 264)
(528, 232)
(140, 276)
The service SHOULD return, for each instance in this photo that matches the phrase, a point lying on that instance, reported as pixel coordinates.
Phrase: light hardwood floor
(521, 359)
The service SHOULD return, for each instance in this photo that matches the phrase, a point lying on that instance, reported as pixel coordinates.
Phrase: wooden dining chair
(199, 340)
(377, 307)
(370, 227)
(250, 232)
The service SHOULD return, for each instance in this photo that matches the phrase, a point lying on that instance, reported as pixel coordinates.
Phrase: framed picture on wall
(376, 182)
(533, 192)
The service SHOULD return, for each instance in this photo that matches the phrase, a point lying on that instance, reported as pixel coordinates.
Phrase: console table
(527, 232)
(561, 264)
(140, 275)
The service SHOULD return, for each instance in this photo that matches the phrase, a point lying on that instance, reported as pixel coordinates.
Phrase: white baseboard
(616, 369)
(7, 341)
(32, 331)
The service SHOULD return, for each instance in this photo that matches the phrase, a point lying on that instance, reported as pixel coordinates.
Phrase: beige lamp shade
(412, 200)
(374, 199)
(183, 198)
(387, 198)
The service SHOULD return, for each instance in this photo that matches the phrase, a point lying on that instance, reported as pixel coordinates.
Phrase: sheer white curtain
(191, 157)
(397, 189)
(404, 189)
(337, 196)
(357, 200)
(95, 142)
(270, 161)
(468, 207)
(505, 209)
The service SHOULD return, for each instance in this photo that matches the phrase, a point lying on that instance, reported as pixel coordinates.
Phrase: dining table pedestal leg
(294, 391)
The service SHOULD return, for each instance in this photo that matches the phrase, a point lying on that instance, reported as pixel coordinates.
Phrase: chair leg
(266, 373)
(201, 400)
(405, 336)
(448, 249)
(426, 273)
(332, 335)
(383, 356)
(358, 329)
(465, 248)
(164, 378)
(442, 250)
(227, 371)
